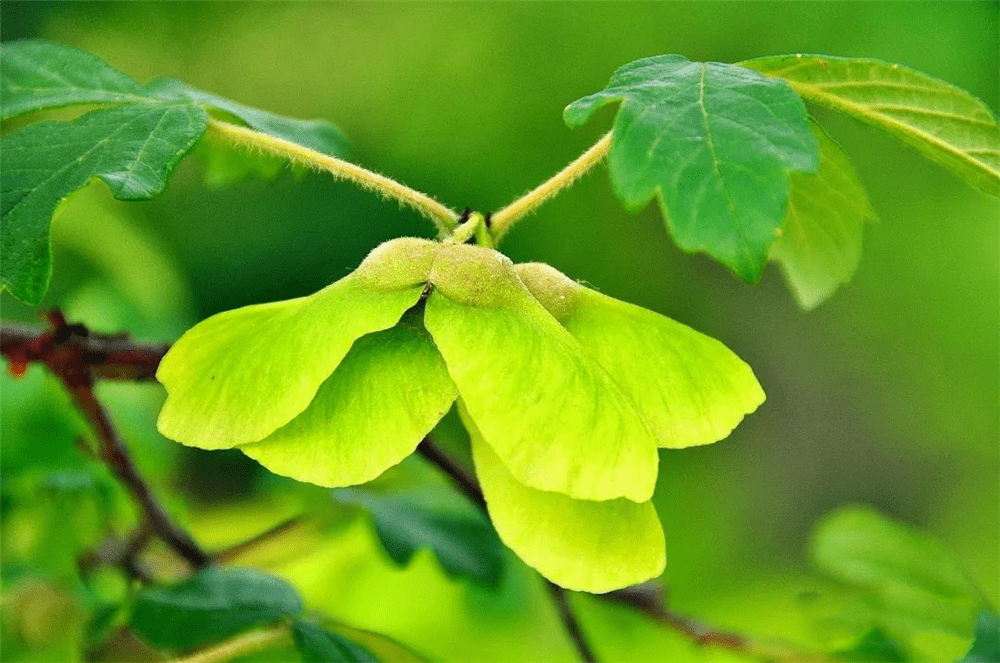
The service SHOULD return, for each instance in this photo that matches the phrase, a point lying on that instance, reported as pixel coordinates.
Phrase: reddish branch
(77, 358)
(107, 357)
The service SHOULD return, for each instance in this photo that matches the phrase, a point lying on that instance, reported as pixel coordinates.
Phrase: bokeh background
(886, 395)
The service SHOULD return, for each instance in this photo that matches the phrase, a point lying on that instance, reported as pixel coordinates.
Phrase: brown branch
(70, 353)
(230, 552)
(648, 599)
(465, 482)
(570, 622)
(109, 357)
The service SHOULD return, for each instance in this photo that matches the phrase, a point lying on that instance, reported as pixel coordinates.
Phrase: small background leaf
(820, 243)
(943, 122)
(318, 645)
(986, 646)
(460, 536)
(903, 577)
(212, 605)
(715, 145)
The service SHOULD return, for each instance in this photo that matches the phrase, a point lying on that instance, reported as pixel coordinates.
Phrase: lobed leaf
(578, 544)
(35, 75)
(132, 148)
(939, 120)
(319, 645)
(212, 605)
(239, 376)
(554, 416)
(460, 536)
(820, 243)
(714, 144)
(389, 391)
(689, 388)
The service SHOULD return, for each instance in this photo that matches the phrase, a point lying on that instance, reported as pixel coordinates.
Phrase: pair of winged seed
(567, 395)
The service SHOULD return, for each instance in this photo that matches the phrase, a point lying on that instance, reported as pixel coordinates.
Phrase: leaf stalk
(444, 218)
(511, 214)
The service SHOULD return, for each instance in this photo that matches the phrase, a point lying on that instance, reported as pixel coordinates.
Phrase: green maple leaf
(714, 144)
(132, 146)
(939, 120)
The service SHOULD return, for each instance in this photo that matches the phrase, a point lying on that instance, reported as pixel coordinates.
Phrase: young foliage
(460, 536)
(542, 378)
(714, 143)
(133, 146)
(939, 120)
(211, 606)
(578, 544)
(344, 437)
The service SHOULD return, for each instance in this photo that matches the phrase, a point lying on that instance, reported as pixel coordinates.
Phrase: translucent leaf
(820, 243)
(939, 120)
(714, 143)
(554, 416)
(132, 148)
(240, 375)
(319, 135)
(212, 605)
(37, 74)
(388, 392)
(689, 388)
(907, 571)
(318, 645)
(460, 536)
(578, 544)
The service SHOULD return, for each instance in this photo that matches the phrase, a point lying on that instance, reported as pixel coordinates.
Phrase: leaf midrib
(817, 94)
(715, 167)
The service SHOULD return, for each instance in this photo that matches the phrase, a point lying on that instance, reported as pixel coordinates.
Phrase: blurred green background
(886, 395)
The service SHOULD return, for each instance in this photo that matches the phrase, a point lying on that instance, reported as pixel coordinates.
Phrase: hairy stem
(241, 645)
(508, 216)
(444, 218)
